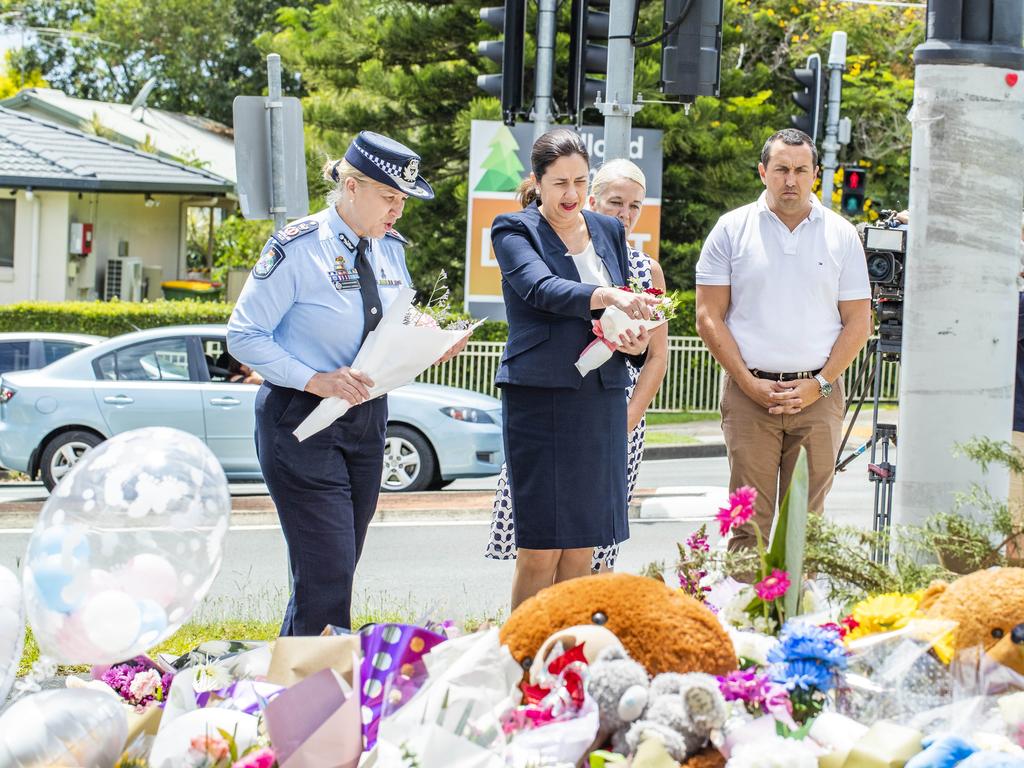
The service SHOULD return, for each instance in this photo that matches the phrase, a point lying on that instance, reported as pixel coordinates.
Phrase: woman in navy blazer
(565, 435)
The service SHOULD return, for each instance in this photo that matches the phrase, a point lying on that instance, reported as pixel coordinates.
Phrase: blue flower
(803, 641)
(805, 674)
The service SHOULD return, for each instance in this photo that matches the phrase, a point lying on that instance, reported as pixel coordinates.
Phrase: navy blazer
(548, 308)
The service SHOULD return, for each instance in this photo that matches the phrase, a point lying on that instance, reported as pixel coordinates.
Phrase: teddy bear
(988, 607)
(620, 687)
(681, 713)
(662, 629)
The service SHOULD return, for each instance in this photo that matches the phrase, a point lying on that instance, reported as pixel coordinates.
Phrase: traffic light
(510, 19)
(811, 99)
(691, 54)
(586, 57)
(855, 181)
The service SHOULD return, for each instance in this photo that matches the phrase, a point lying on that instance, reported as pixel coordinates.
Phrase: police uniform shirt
(301, 310)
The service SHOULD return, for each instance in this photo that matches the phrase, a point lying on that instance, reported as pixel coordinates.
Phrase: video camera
(885, 247)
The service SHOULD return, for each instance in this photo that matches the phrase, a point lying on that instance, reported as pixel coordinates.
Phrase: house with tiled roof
(82, 217)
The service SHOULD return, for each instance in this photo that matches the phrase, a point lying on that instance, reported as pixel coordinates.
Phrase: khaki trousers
(1016, 501)
(763, 450)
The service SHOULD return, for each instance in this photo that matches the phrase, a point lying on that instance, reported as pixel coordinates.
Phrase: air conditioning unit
(123, 279)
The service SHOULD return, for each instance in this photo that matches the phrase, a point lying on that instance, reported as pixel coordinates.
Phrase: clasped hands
(783, 397)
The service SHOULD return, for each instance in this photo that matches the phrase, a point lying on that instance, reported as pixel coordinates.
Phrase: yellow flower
(794, 10)
(715, 123)
(883, 613)
(770, 12)
(795, 39)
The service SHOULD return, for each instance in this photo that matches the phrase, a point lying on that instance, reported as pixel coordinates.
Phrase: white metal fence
(692, 381)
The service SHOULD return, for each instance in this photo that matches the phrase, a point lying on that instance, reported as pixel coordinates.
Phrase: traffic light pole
(830, 146)
(961, 305)
(617, 105)
(545, 66)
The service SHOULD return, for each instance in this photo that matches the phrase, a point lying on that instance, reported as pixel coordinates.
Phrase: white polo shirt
(785, 286)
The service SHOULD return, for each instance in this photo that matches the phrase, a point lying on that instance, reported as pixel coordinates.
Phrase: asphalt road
(436, 566)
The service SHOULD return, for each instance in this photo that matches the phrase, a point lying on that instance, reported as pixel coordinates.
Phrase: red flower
(654, 291)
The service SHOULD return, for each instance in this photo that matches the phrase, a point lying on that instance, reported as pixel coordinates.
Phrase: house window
(6, 233)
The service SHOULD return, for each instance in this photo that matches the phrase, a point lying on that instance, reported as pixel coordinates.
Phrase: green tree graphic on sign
(502, 164)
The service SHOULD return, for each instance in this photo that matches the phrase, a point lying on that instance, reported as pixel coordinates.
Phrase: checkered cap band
(391, 169)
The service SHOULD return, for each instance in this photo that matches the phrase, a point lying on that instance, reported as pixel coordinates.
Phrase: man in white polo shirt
(783, 303)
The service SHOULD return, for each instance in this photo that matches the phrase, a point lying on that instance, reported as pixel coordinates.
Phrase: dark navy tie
(372, 309)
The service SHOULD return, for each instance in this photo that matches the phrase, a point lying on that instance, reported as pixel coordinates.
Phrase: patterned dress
(502, 542)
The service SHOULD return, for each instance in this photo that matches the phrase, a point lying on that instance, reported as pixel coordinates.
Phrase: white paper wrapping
(393, 355)
(613, 322)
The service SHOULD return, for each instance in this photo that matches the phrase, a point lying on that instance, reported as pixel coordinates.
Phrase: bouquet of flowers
(408, 340)
(614, 322)
(138, 683)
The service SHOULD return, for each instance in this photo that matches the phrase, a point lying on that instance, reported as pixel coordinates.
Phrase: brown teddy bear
(988, 607)
(660, 627)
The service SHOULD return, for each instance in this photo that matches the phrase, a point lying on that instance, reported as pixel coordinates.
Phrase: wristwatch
(825, 387)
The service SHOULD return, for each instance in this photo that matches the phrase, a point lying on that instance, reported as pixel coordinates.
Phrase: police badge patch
(272, 255)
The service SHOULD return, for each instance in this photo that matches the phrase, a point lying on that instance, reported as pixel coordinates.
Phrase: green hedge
(111, 318)
(108, 318)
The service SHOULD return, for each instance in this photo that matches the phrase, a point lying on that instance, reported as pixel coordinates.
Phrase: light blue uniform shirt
(301, 311)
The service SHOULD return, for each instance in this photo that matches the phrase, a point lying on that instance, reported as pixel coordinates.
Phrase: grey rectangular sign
(252, 157)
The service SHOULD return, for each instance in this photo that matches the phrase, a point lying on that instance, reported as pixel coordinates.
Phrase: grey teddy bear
(682, 712)
(618, 684)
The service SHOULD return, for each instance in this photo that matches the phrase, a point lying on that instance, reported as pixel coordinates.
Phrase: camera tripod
(881, 473)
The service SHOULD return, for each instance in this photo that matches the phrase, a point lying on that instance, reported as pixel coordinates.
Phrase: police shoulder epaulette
(397, 235)
(298, 229)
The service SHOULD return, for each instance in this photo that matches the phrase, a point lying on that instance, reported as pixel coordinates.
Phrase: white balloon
(72, 727)
(137, 524)
(12, 630)
(112, 621)
(151, 577)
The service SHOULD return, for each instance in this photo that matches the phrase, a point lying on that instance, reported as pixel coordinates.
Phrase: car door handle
(119, 400)
(224, 401)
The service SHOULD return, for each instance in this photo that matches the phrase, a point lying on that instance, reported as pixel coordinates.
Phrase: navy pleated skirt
(566, 456)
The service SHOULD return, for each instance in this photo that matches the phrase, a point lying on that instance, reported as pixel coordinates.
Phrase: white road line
(385, 524)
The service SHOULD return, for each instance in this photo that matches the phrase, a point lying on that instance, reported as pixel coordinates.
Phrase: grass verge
(655, 419)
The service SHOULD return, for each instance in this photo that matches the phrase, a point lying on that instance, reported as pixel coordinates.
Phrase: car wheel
(409, 463)
(62, 453)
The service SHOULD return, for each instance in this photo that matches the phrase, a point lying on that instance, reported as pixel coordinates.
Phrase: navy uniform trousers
(325, 490)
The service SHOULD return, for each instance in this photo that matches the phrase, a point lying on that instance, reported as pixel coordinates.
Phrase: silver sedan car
(176, 377)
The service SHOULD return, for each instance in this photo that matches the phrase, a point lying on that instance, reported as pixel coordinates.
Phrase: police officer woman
(320, 286)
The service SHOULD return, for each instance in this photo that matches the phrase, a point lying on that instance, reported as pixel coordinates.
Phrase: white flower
(1012, 708)
(734, 612)
(751, 645)
(210, 677)
(765, 625)
(772, 753)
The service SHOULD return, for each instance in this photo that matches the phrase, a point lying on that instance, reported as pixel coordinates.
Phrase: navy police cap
(389, 162)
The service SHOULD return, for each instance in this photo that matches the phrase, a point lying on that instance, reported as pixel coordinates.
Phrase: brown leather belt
(784, 376)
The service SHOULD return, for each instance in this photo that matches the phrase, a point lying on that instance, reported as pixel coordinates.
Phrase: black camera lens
(881, 267)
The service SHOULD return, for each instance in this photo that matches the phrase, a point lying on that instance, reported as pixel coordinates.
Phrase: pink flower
(773, 586)
(739, 511)
(215, 747)
(778, 704)
(261, 758)
(145, 684)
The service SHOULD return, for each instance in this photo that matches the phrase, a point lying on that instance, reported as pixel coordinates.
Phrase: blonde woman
(617, 190)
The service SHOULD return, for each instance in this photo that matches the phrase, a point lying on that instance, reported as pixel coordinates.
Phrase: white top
(785, 286)
(592, 270)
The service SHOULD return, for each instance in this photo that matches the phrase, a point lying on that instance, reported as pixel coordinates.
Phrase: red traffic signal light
(855, 180)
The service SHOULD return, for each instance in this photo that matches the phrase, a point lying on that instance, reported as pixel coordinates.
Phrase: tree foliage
(200, 51)
(407, 68)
